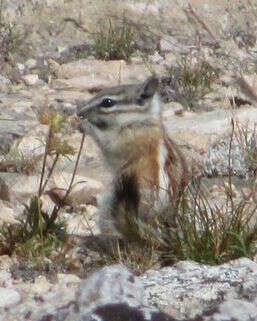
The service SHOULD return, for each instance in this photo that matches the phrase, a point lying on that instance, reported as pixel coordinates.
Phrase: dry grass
(246, 138)
(16, 161)
(137, 256)
(189, 82)
(114, 41)
(11, 37)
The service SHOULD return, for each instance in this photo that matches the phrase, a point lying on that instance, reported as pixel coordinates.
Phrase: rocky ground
(53, 68)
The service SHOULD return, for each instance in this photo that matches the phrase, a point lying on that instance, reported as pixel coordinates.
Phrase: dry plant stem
(201, 22)
(57, 208)
(119, 76)
(75, 168)
(77, 24)
(88, 226)
(50, 131)
(229, 165)
(50, 172)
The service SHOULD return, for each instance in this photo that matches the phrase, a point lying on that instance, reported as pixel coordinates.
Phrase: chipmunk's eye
(107, 103)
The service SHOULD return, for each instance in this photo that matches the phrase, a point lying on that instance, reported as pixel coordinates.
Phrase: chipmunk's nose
(82, 109)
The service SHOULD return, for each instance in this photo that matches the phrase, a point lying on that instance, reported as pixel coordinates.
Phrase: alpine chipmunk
(150, 172)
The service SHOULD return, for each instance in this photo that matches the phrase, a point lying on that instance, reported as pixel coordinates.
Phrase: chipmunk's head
(113, 111)
(115, 108)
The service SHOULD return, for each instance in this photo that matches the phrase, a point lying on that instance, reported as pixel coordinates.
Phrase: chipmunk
(150, 172)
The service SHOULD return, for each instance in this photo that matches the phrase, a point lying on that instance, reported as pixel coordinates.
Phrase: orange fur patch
(143, 160)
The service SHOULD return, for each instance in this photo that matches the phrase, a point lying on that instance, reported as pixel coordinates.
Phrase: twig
(229, 164)
(119, 75)
(76, 24)
(44, 161)
(75, 168)
(57, 208)
(50, 173)
(88, 225)
(201, 22)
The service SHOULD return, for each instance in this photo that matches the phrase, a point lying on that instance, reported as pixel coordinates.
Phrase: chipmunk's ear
(149, 88)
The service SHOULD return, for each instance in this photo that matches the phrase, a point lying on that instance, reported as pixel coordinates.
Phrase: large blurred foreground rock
(187, 291)
(111, 294)
(191, 291)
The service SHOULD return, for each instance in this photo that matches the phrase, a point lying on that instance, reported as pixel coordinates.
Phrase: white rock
(31, 79)
(7, 214)
(95, 74)
(188, 289)
(8, 297)
(5, 277)
(41, 285)
(21, 67)
(170, 59)
(68, 278)
(31, 146)
(171, 44)
(236, 310)
(156, 58)
(25, 186)
(31, 63)
(5, 84)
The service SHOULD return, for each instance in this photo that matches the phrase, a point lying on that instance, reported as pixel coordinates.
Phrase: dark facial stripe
(138, 124)
(121, 111)
(99, 124)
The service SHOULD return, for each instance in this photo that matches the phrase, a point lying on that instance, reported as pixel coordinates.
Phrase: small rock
(89, 74)
(82, 193)
(220, 161)
(6, 262)
(5, 277)
(170, 59)
(171, 44)
(156, 58)
(4, 84)
(84, 190)
(61, 49)
(31, 146)
(7, 214)
(64, 107)
(237, 310)
(21, 67)
(31, 63)
(41, 285)
(51, 3)
(31, 80)
(23, 185)
(68, 278)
